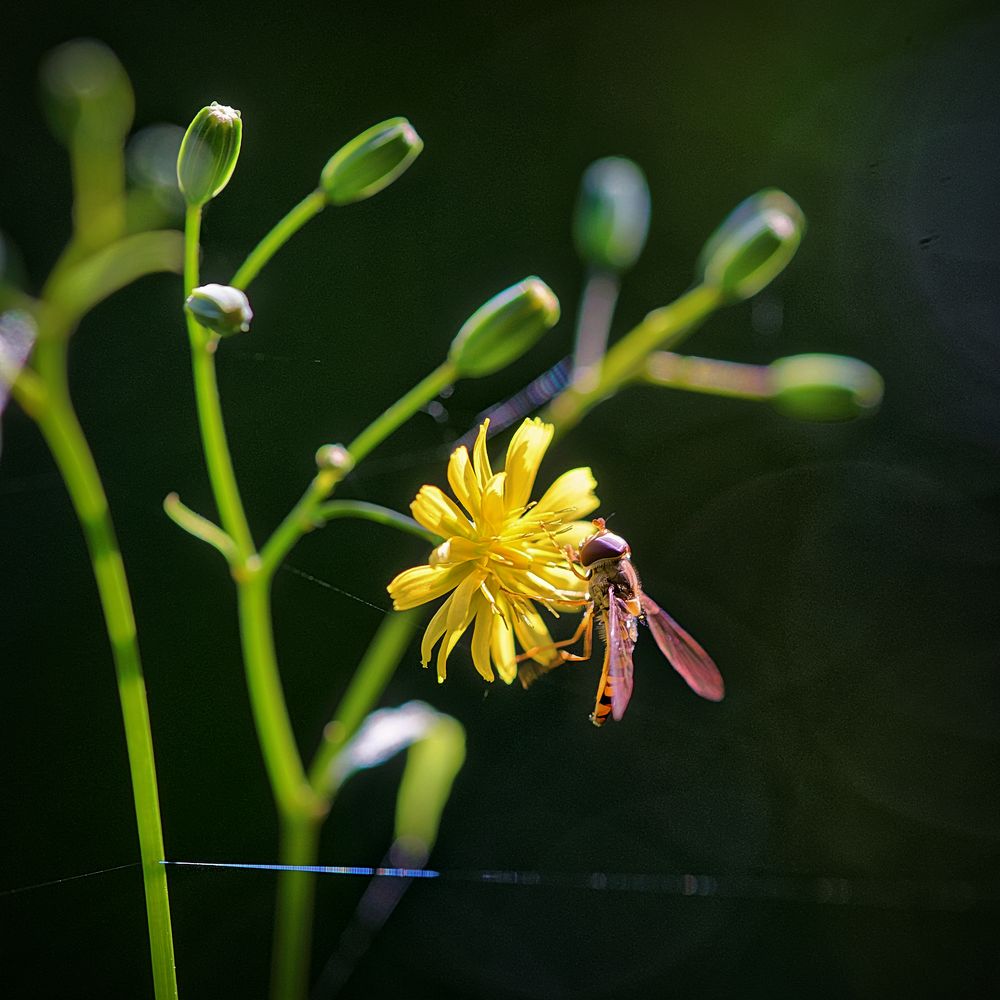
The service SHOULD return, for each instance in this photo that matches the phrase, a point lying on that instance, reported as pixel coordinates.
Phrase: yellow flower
(500, 555)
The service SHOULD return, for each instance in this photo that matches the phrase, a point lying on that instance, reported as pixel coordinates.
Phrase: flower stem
(64, 436)
(302, 517)
(213, 430)
(665, 327)
(709, 375)
(284, 229)
(374, 512)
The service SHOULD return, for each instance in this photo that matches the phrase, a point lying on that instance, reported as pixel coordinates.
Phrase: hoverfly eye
(603, 546)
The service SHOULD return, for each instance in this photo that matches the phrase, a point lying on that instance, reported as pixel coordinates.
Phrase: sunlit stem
(283, 231)
(597, 309)
(200, 527)
(302, 517)
(665, 327)
(373, 512)
(64, 436)
(709, 375)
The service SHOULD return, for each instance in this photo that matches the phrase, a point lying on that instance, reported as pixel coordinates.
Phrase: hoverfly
(616, 599)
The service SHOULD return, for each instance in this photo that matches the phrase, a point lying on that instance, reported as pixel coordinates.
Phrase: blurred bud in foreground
(86, 92)
(824, 387)
(753, 245)
(221, 308)
(612, 214)
(370, 161)
(151, 164)
(502, 329)
(208, 154)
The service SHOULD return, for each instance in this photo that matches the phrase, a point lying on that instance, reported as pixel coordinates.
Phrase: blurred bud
(335, 457)
(824, 387)
(753, 245)
(85, 89)
(370, 161)
(501, 330)
(221, 308)
(612, 214)
(209, 151)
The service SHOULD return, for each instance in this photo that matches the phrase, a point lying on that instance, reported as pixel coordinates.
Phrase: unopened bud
(753, 245)
(86, 90)
(221, 308)
(370, 161)
(612, 214)
(209, 151)
(824, 387)
(501, 330)
(335, 457)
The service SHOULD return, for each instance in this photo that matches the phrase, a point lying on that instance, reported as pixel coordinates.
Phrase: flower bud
(370, 161)
(753, 245)
(209, 151)
(501, 330)
(86, 90)
(221, 308)
(334, 457)
(824, 387)
(612, 214)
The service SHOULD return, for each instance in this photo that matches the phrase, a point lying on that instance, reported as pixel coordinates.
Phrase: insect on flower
(616, 599)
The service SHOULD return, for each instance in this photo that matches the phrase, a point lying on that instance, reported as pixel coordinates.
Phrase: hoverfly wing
(684, 653)
(620, 646)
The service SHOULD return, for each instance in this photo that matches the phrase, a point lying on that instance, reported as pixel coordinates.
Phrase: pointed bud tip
(208, 153)
(825, 387)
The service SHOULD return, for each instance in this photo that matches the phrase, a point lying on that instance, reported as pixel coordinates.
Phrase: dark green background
(844, 577)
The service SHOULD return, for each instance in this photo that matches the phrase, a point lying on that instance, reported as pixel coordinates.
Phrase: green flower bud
(86, 93)
(370, 161)
(335, 457)
(209, 151)
(824, 387)
(612, 214)
(221, 308)
(501, 330)
(753, 245)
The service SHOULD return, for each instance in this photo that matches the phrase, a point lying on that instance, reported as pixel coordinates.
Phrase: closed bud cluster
(370, 161)
(502, 329)
(209, 151)
(824, 387)
(612, 214)
(753, 245)
(220, 308)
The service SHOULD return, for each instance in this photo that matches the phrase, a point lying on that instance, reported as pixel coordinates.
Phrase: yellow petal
(569, 498)
(461, 600)
(425, 583)
(481, 639)
(502, 645)
(480, 458)
(524, 455)
(437, 512)
(533, 635)
(456, 550)
(463, 482)
(436, 628)
(451, 637)
(494, 511)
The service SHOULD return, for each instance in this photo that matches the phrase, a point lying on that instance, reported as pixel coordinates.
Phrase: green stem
(206, 388)
(308, 208)
(366, 687)
(64, 436)
(302, 517)
(294, 914)
(664, 327)
(291, 789)
(709, 375)
(374, 512)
